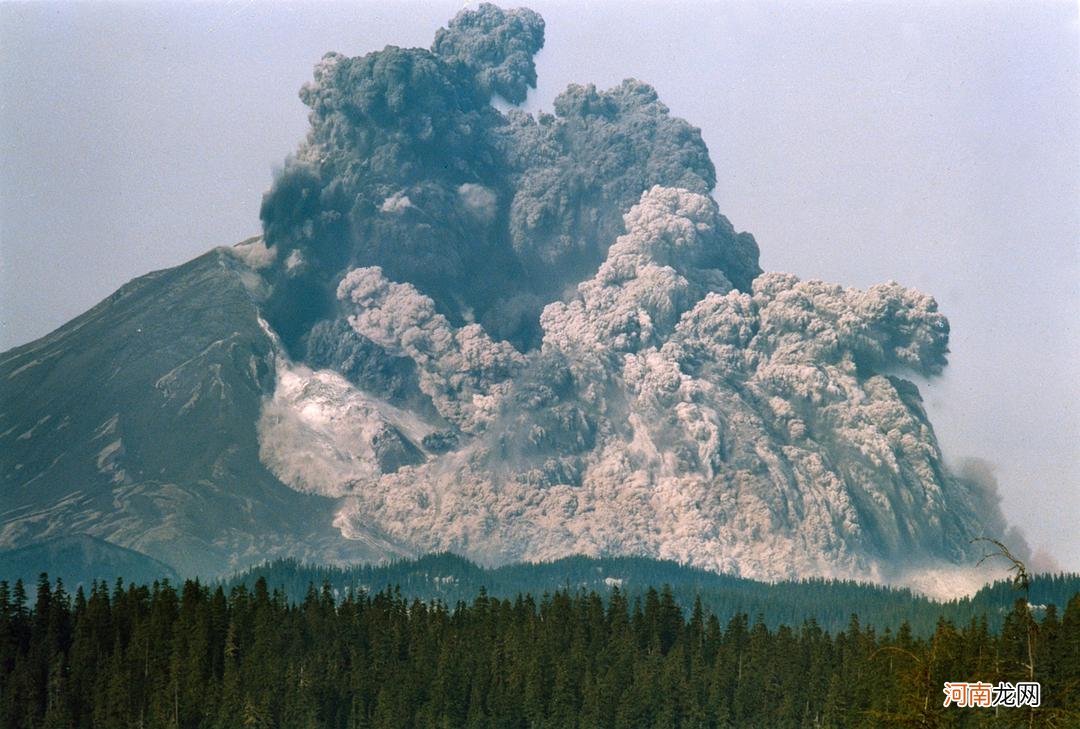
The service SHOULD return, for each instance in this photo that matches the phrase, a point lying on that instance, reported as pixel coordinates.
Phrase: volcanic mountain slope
(512, 336)
(135, 423)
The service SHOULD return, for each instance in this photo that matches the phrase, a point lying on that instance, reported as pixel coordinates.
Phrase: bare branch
(1022, 579)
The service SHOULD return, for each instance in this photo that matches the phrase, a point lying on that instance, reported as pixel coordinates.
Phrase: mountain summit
(506, 335)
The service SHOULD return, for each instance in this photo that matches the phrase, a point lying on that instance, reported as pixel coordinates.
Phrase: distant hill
(79, 560)
(450, 579)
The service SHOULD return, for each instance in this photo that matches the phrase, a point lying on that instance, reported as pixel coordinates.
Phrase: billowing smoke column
(496, 47)
(408, 167)
(677, 402)
(461, 370)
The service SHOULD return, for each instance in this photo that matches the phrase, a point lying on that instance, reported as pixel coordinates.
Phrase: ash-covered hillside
(518, 336)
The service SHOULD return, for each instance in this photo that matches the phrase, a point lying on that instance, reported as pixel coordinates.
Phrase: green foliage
(199, 657)
(830, 603)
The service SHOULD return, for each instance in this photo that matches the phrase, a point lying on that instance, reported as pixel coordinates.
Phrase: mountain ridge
(450, 578)
(163, 428)
(81, 559)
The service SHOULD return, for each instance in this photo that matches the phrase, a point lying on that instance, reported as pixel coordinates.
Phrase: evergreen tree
(195, 657)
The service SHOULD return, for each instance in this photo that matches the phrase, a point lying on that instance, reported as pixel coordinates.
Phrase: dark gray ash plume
(496, 46)
(408, 167)
(546, 328)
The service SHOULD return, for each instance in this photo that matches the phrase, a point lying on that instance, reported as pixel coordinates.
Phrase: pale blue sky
(937, 144)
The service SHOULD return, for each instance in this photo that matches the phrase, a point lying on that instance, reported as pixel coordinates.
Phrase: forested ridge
(200, 656)
(451, 578)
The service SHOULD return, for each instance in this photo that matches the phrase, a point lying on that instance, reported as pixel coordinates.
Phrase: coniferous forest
(451, 578)
(154, 656)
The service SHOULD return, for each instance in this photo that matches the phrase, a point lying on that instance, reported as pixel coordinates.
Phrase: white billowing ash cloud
(678, 402)
(462, 370)
(669, 414)
(638, 294)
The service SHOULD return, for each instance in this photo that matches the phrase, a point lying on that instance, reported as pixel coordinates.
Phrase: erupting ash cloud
(676, 402)
(408, 167)
(461, 370)
(496, 46)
